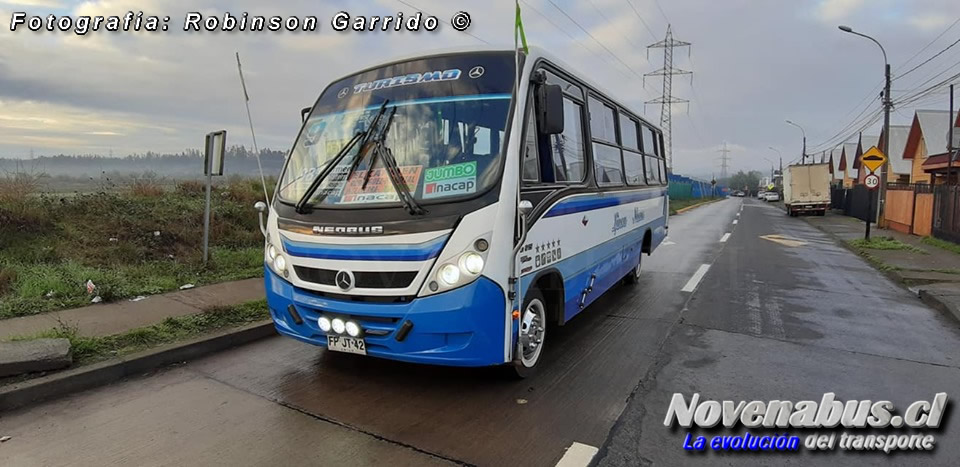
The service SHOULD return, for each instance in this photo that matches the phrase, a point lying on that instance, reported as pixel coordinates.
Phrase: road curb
(98, 374)
(894, 276)
(688, 208)
(933, 300)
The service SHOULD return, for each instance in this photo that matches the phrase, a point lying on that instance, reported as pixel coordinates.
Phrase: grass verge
(942, 244)
(884, 243)
(141, 240)
(677, 204)
(88, 350)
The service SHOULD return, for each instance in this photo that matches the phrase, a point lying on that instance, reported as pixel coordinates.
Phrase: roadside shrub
(7, 278)
(191, 187)
(147, 186)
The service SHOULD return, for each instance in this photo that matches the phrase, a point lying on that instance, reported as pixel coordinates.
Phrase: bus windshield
(448, 120)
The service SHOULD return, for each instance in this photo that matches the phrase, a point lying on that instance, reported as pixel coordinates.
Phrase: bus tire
(533, 323)
(633, 277)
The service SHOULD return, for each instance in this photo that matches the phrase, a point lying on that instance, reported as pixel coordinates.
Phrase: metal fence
(854, 202)
(946, 219)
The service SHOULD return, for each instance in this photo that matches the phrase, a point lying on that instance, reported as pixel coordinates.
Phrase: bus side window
(567, 148)
(531, 159)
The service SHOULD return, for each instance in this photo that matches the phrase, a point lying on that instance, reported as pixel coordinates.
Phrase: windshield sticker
(379, 189)
(450, 180)
(406, 80)
(314, 132)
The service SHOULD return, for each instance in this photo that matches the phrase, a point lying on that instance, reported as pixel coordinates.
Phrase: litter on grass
(187, 286)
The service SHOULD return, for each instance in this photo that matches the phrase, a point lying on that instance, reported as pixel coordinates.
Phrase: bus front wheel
(533, 323)
(633, 276)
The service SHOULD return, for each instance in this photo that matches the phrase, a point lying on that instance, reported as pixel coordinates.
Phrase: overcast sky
(755, 63)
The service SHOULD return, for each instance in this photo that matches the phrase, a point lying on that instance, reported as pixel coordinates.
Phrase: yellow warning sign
(873, 159)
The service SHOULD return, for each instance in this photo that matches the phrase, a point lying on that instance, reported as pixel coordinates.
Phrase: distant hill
(187, 164)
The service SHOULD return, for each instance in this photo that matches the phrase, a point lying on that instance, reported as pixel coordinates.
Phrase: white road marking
(725, 237)
(578, 455)
(667, 241)
(697, 277)
(735, 222)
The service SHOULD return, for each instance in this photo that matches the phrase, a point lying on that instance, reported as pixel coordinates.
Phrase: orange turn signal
(516, 314)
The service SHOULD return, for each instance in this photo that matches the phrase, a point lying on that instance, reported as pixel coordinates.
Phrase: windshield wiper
(363, 137)
(393, 171)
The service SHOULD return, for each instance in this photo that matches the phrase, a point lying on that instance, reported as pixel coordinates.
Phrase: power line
(425, 11)
(928, 60)
(604, 16)
(561, 10)
(945, 31)
(642, 21)
(574, 39)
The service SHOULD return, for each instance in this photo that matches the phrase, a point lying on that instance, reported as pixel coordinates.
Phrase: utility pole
(950, 148)
(667, 99)
(724, 159)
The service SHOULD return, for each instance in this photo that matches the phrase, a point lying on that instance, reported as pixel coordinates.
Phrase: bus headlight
(449, 275)
(338, 325)
(280, 263)
(272, 252)
(324, 324)
(471, 263)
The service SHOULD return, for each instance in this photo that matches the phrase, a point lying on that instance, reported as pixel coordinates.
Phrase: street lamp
(780, 155)
(887, 105)
(804, 133)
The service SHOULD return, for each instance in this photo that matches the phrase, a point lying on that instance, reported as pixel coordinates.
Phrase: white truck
(806, 188)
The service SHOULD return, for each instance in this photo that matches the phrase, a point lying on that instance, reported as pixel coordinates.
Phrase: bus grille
(362, 279)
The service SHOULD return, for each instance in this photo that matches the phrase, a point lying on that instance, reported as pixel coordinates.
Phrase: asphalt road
(742, 318)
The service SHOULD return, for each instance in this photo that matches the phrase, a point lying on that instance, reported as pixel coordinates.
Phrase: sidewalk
(934, 273)
(118, 317)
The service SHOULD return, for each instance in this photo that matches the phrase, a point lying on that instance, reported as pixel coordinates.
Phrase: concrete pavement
(117, 317)
(787, 314)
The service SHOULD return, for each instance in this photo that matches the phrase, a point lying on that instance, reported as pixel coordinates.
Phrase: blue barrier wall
(689, 188)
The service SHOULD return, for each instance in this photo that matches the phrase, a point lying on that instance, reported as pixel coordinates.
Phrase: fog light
(338, 325)
(280, 263)
(353, 329)
(472, 263)
(324, 323)
(449, 274)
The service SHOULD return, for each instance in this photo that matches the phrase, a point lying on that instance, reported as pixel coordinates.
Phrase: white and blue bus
(426, 214)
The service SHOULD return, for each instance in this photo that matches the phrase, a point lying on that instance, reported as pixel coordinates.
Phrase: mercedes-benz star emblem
(344, 280)
(476, 72)
(343, 93)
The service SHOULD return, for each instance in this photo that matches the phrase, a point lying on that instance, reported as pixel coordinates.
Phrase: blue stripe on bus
(605, 200)
(391, 252)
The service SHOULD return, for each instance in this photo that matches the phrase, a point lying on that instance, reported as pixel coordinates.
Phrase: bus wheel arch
(647, 245)
(541, 309)
(550, 285)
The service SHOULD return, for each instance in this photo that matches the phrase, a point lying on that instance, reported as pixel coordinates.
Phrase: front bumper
(462, 327)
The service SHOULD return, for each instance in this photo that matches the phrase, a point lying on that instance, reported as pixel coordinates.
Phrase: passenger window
(649, 144)
(606, 163)
(531, 159)
(633, 168)
(653, 171)
(567, 148)
(628, 133)
(602, 122)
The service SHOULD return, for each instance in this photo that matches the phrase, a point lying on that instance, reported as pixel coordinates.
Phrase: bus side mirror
(525, 207)
(304, 112)
(550, 109)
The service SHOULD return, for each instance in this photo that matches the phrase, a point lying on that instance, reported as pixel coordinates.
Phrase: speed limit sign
(872, 181)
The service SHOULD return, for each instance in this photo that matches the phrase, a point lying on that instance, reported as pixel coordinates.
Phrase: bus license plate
(347, 344)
